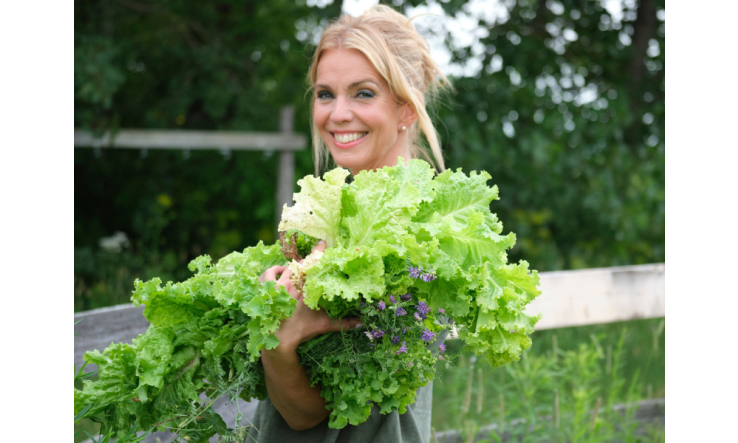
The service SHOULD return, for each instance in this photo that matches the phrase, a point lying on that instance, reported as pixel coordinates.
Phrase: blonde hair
(402, 57)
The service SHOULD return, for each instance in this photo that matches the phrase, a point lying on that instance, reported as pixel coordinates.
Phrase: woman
(370, 77)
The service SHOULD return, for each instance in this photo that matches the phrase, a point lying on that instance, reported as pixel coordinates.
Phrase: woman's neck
(390, 159)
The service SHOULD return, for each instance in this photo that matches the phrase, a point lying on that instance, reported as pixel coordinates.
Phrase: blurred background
(562, 102)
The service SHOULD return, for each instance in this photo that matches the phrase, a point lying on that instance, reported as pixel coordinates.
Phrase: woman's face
(356, 114)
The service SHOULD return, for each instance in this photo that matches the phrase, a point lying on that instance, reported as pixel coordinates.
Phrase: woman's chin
(348, 161)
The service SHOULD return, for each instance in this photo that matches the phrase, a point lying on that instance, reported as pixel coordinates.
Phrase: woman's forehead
(345, 67)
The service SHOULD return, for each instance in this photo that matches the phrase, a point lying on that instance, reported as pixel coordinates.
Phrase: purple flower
(442, 348)
(392, 299)
(423, 308)
(404, 330)
(400, 312)
(395, 339)
(410, 365)
(417, 317)
(378, 333)
(428, 277)
(402, 349)
(415, 272)
(369, 334)
(428, 336)
(441, 311)
(406, 297)
(382, 305)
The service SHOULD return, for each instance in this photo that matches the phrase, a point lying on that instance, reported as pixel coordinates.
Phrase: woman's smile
(346, 140)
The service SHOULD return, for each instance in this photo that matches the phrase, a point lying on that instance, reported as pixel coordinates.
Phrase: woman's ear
(407, 115)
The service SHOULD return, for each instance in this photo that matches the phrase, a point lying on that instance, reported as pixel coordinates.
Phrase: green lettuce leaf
(317, 209)
(457, 196)
(346, 274)
(380, 204)
(153, 352)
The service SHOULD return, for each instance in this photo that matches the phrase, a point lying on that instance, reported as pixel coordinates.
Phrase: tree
(566, 113)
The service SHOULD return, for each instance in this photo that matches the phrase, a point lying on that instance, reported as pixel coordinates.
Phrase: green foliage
(205, 337)
(582, 181)
(569, 120)
(556, 386)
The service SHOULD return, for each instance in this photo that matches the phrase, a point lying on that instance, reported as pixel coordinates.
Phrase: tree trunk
(644, 28)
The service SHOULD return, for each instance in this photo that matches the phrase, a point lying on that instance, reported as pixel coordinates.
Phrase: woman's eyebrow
(368, 80)
(351, 86)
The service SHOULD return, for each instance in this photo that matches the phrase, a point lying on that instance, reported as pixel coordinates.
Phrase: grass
(565, 375)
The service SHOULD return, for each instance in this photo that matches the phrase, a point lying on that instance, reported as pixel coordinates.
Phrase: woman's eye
(324, 94)
(365, 94)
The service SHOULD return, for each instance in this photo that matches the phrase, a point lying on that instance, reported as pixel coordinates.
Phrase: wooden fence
(570, 298)
(285, 141)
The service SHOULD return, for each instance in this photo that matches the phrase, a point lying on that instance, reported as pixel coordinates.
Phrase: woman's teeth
(346, 138)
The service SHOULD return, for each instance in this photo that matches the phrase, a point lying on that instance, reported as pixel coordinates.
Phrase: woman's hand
(287, 382)
(305, 323)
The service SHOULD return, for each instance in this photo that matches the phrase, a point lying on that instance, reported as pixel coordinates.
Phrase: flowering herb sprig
(402, 349)
(428, 336)
(417, 272)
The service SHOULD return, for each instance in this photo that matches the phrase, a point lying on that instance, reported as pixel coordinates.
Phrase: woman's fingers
(320, 246)
(344, 324)
(285, 278)
(272, 273)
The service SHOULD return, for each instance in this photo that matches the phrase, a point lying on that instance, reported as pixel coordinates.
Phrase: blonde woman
(372, 77)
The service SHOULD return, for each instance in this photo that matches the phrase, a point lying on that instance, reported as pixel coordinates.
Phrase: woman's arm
(289, 389)
(287, 382)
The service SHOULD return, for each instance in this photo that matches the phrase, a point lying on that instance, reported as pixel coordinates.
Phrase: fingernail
(359, 325)
(321, 242)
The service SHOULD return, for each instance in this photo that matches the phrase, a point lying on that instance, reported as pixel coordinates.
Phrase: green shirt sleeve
(411, 427)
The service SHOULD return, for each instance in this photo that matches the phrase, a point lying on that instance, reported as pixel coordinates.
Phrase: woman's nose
(342, 111)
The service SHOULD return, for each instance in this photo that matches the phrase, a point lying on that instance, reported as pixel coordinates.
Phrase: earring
(403, 128)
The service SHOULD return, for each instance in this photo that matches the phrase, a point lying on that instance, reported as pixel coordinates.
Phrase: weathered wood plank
(602, 295)
(101, 327)
(286, 172)
(189, 139)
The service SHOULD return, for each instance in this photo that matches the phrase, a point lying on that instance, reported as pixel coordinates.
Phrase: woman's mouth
(348, 139)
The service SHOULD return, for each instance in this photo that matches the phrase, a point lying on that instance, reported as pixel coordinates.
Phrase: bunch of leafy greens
(407, 253)
(400, 231)
(205, 339)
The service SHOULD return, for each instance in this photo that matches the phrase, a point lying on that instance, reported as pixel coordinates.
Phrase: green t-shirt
(411, 427)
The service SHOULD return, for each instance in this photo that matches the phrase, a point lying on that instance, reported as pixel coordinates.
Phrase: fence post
(286, 176)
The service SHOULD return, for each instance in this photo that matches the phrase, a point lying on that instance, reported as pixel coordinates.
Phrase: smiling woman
(372, 78)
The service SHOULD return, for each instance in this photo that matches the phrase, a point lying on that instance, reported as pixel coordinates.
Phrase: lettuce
(402, 231)
(205, 339)
(410, 253)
